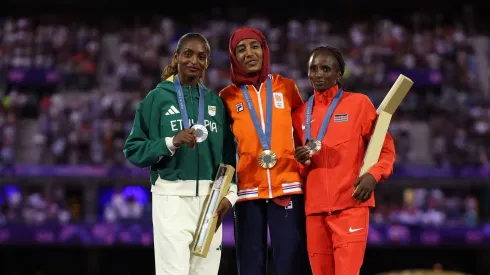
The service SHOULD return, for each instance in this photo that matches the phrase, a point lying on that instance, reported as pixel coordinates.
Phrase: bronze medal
(314, 145)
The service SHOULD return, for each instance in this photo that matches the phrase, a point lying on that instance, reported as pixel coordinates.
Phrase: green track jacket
(158, 120)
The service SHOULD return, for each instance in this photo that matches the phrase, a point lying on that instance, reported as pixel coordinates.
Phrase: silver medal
(201, 132)
(315, 146)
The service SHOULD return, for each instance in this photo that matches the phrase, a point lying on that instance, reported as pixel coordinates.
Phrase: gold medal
(267, 159)
(315, 146)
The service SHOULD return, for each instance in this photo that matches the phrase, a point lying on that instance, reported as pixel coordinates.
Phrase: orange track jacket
(255, 182)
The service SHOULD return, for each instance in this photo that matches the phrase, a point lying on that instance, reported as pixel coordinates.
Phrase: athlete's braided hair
(336, 53)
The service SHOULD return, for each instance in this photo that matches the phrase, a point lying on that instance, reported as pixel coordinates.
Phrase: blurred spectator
(7, 131)
(123, 208)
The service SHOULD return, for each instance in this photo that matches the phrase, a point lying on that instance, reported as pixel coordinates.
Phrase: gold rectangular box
(385, 111)
(207, 222)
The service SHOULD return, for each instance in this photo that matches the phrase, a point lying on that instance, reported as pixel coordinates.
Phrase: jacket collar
(186, 89)
(326, 96)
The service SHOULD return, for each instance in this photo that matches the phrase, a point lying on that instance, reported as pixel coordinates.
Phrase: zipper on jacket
(328, 194)
(329, 206)
(197, 147)
(197, 179)
(261, 110)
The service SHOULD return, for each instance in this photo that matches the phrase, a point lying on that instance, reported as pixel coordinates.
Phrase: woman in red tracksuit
(337, 201)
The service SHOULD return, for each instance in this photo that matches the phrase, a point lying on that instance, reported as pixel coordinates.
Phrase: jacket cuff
(303, 169)
(376, 176)
(169, 141)
(232, 194)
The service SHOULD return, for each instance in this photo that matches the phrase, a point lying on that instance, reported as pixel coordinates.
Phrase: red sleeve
(297, 118)
(303, 170)
(294, 96)
(384, 167)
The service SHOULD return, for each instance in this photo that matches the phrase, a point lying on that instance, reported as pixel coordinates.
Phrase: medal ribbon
(326, 118)
(182, 106)
(264, 135)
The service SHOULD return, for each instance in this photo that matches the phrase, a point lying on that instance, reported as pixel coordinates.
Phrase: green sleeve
(229, 148)
(139, 149)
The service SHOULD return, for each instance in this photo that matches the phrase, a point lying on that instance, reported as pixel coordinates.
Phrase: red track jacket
(333, 170)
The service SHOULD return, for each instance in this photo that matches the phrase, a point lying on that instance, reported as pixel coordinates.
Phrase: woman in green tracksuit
(181, 132)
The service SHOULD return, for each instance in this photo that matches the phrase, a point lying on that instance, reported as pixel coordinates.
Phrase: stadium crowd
(421, 206)
(33, 207)
(92, 128)
(429, 207)
(86, 118)
(36, 207)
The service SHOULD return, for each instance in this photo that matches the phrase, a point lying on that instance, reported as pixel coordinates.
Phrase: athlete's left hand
(364, 187)
(223, 208)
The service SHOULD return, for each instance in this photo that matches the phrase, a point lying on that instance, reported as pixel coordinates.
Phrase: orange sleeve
(294, 96)
(384, 167)
(222, 93)
(303, 169)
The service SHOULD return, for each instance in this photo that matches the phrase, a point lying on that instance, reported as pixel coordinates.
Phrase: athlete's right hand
(302, 154)
(185, 136)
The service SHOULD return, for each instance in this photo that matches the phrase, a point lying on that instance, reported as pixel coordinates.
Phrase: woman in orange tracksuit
(337, 201)
(269, 186)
